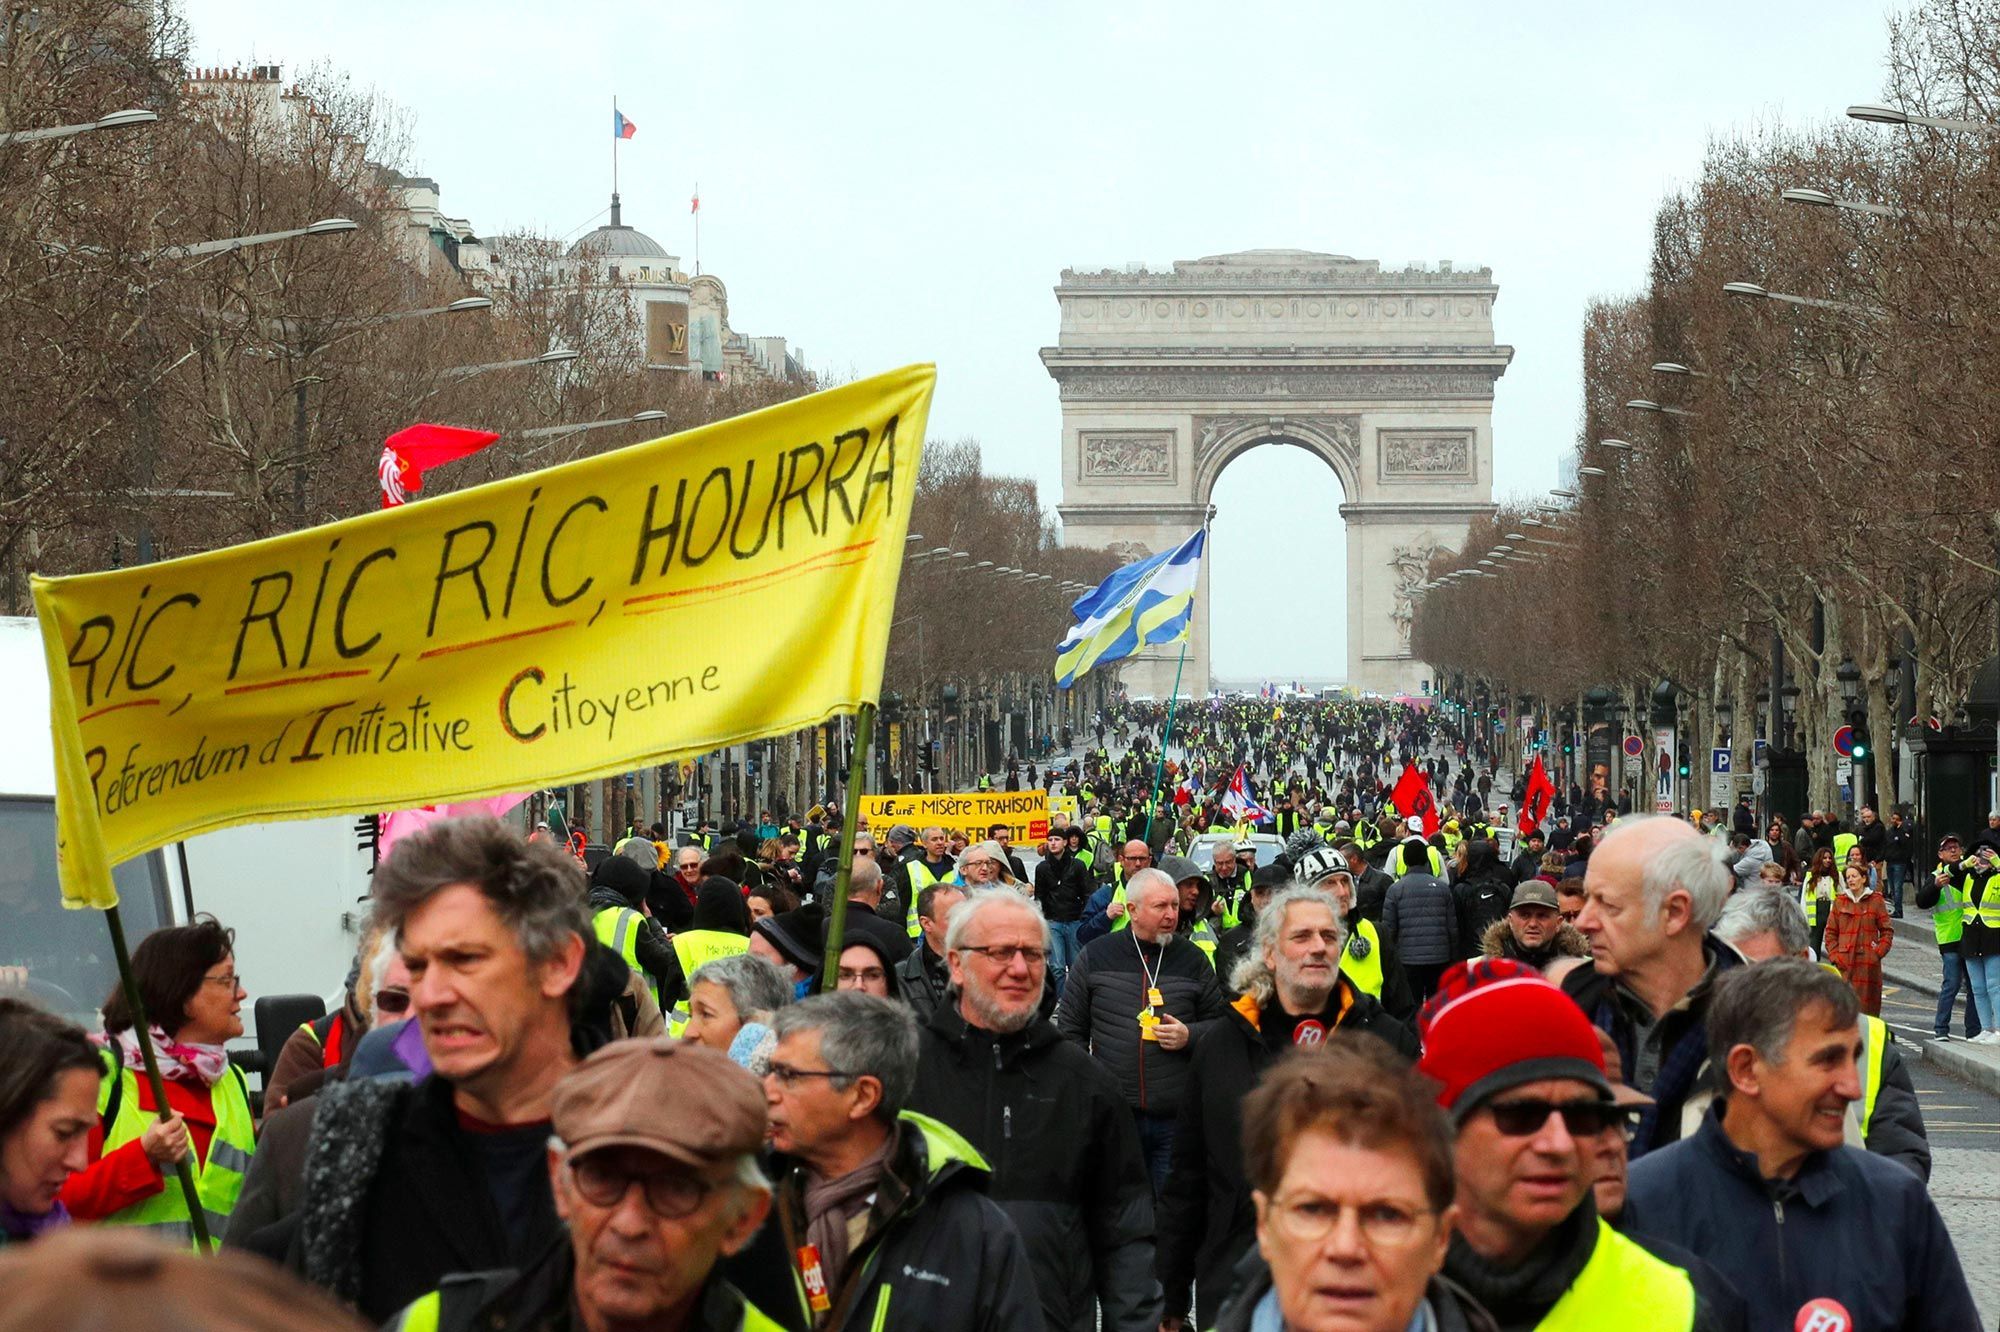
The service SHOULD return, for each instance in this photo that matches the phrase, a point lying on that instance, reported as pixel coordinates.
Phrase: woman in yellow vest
(187, 979)
(1816, 893)
(721, 929)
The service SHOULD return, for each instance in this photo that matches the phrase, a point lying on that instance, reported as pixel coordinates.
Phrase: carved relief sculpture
(1422, 454)
(1129, 453)
(1411, 564)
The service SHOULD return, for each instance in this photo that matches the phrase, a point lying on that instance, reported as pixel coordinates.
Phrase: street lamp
(1877, 114)
(1751, 290)
(326, 226)
(1648, 405)
(1821, 199)
(557, 357)
(1849, 676)
(1624, 446)
(1676, 368)
(1590, 471)
(116, 120)
(1563, 492)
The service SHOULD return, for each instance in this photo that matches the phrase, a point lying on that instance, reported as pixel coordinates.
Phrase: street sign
(1720, 786)
(1634, 746)
(1843, 773)
(1759, 757)
(1843, 742)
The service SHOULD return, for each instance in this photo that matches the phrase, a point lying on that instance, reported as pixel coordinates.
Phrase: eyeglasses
(789, 1077)
(1383, 1224)
(1583, 1119)
(229, 978)
(669, 1193)
(392, 1001)
(865, 976)
(1004, 954)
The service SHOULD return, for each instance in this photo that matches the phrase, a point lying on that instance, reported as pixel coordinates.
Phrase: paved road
(1964, 1126)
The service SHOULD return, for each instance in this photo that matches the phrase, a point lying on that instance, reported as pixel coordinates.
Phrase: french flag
(620, 127)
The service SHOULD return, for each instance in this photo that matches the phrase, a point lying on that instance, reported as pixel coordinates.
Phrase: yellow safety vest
(1810, 900)
(695, 949)
(1842, 844)
(1949, 918)
(1124, 921)
(1988, 903)
(1623, 1286)
(1365, 972)
(1366, 835)
(218, 1181)
(427, 1312)
(617, 928)
(1202, 936)
(921, 878)
(1874, 1039)
(1397, 865)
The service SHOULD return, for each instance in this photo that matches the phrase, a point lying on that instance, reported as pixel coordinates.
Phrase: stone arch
(1334, 441)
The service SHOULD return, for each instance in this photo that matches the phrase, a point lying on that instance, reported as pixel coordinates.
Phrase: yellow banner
(593, 618)
(1026, 813)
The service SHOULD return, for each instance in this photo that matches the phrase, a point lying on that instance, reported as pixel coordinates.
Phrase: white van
(295, 892)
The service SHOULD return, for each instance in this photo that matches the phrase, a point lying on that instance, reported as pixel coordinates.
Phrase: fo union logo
(1824, 1315)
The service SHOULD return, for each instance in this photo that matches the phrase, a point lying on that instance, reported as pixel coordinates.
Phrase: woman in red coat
(1858, 934)
(186, 977)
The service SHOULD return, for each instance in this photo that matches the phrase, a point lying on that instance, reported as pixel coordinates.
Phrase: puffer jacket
(1102, 995)
(1206, 1218)
(1054, 1129)
(1499, 941)
(1420, 918)
(937, 1252)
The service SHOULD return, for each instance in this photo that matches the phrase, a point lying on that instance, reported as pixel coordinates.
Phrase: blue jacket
(1093, 923)
(1852, 1226)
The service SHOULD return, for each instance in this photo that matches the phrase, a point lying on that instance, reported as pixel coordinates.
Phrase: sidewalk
(1914, 964)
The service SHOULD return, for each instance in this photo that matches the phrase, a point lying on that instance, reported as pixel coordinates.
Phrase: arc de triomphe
(1388, 377)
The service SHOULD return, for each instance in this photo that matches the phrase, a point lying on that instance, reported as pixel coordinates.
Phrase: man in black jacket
(1654, 887)
(1048, 1119)
(1134, 999)
(922, 978)
(1293, 997)
(883, 1208)
(1529, 863)
(406, 1184)
(1371, 883)
(1062, 886)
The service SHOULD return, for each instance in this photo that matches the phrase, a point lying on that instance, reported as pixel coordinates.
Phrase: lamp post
(116, 120)
(1877, 114)
(1755, 291)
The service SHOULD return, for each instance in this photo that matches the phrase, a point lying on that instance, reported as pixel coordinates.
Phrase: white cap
(1413, 824)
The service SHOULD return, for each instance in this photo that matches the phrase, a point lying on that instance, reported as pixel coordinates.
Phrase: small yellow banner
(662, 600)
(1026, 813)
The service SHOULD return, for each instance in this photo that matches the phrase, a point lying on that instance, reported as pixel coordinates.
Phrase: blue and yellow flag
(1137, 606)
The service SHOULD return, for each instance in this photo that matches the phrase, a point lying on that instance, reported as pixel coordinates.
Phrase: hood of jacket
(1498, 941)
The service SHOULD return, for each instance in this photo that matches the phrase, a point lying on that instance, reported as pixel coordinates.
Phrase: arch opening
(1277, 575)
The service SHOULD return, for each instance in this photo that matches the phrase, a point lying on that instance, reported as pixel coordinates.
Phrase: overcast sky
(884, 184)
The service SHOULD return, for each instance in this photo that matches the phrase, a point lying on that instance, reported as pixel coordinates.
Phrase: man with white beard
(1048, 1118)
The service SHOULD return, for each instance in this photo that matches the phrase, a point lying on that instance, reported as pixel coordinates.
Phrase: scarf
(27, 1225)
(832, 1203)
(1522, 1296)
(196, 1065)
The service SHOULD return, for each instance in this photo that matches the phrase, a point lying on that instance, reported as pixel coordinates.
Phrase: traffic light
(1861, 743)
(1568, 748)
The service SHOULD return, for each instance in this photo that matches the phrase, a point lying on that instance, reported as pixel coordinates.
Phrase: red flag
(410, 450)
(1535, 801)
(1412, 798)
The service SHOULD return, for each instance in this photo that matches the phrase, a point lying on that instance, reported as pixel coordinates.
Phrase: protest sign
(614, 612)
(1026, 813)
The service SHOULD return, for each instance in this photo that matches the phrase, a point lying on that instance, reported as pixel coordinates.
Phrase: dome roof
(617, 242)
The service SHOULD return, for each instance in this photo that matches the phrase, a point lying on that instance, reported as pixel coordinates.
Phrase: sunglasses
(1583, 1119)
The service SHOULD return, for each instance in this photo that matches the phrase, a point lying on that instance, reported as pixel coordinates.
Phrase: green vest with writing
(1365, 971)
(218, 1181)
(1949, 918)
(1623, 1286)
(695, 949)
(617, 928)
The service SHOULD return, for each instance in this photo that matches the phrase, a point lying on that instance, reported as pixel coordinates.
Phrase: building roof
(621, 243)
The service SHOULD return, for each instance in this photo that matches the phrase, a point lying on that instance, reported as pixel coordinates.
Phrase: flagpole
(615, 137)
(697, 228)
(1166, 737)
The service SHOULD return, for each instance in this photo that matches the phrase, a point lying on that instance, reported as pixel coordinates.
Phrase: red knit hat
(1496, 1024)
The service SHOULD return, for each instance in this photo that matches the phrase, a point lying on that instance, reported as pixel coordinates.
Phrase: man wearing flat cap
(652, 1200)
